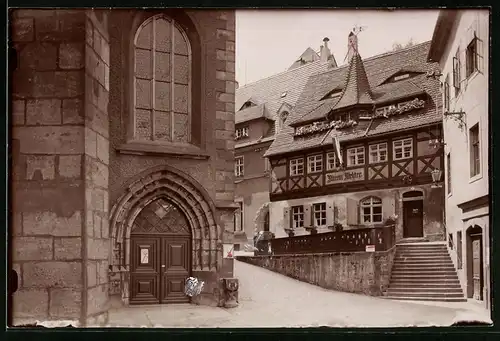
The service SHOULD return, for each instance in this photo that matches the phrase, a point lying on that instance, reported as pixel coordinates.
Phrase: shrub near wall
(358, 272)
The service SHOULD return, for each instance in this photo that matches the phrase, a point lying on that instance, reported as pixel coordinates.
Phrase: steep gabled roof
(379, 68)
(275, 90)
(252, 113)
(357, 89)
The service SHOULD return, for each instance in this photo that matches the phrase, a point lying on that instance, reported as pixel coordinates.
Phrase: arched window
(282, 119)
(371, 210)
(162, 82)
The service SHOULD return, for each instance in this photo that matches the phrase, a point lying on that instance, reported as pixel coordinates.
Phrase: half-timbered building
(262, 107)
(360, 148)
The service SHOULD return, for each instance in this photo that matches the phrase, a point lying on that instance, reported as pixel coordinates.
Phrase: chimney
(352, 45)
(325, 53)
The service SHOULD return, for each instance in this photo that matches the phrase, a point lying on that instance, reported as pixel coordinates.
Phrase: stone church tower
(122, 159)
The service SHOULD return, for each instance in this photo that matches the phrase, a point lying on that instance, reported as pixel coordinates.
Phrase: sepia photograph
(248, 168)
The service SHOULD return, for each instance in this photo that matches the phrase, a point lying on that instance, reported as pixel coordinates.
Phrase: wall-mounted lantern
(436, 178)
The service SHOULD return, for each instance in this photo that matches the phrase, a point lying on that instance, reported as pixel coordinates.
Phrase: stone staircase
(424, 272)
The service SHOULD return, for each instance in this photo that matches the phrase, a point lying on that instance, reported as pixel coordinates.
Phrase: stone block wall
(358, 272)
(52, 148)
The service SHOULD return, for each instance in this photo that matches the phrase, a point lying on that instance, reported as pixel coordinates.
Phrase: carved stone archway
(183, 191)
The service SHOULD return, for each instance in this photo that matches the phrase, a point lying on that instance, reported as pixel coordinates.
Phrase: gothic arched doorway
(160, 247)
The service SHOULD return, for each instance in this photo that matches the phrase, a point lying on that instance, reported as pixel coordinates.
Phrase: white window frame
(267, 165)
(319, 214)
(371, 203)
(297, 216)
(359, 156)
(315, 163)
(295, 165)
(332, 163)
(406, 148)
(239, 166)
(241, 132)
(239, 217)
(377, 152)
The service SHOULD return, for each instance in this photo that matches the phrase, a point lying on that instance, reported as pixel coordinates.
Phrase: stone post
(60, 165)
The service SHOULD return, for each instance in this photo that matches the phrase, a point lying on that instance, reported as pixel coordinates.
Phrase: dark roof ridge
(377, 56)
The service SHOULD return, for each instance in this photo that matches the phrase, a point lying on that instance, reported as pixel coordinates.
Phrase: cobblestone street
(268, 299)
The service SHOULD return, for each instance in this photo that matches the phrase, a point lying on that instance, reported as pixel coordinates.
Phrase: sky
(269, 41)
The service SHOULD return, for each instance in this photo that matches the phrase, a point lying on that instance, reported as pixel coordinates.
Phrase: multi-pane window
(239, 166)
(403, 149)
(241, 132)
(378, 152)
(297, 216)
(356, 156)
(446, 94)
(448, 164)
(471, 58)
(238, 217)
(319, 214)
(332, 161)
(345, 117)
(162, 82)
(297, 166)
(315, 163)
(475, 158)
(371, 210)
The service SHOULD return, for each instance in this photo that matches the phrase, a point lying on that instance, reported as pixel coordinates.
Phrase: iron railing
(356, 240)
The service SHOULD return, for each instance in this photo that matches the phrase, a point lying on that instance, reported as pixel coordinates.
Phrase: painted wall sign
(370, 248)
(345, 176)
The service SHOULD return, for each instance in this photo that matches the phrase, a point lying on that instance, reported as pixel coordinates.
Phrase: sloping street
(269, 299)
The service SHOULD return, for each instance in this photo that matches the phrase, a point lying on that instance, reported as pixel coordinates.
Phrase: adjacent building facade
(122, 159)
(461, 46)
(262, 108)
(359, 148)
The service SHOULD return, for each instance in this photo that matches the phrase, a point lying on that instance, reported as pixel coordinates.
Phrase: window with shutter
(471, 57)
(456, 72)
(475, 160)
(446, 94)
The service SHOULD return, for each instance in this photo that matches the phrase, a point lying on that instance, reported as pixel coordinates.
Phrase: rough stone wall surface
(59, 162)
(359, 272)
(213, 72)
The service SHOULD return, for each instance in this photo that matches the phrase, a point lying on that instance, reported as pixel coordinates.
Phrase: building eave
(444, 23)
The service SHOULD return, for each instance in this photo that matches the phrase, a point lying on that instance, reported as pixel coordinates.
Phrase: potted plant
(338, 227)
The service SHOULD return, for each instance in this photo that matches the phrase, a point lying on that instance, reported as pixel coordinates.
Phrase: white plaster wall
(276, 208)
(473, 100)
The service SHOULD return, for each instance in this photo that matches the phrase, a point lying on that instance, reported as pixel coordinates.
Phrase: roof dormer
(401, 75)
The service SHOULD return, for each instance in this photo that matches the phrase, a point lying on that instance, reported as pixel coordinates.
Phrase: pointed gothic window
(162, 82)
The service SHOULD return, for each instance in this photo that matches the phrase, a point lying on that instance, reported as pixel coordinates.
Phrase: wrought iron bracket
(457, 116)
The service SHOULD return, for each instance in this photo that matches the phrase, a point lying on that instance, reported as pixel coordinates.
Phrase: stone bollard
(230, 286)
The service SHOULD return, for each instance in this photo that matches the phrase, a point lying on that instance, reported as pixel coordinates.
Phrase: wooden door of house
(413, 222)
(160, 249)
(477, 266)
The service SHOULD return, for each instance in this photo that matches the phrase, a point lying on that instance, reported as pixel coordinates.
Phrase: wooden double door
(159, 267)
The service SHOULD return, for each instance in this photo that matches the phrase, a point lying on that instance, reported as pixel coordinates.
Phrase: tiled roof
(269, 90)
(378, 69)
(252, 113)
